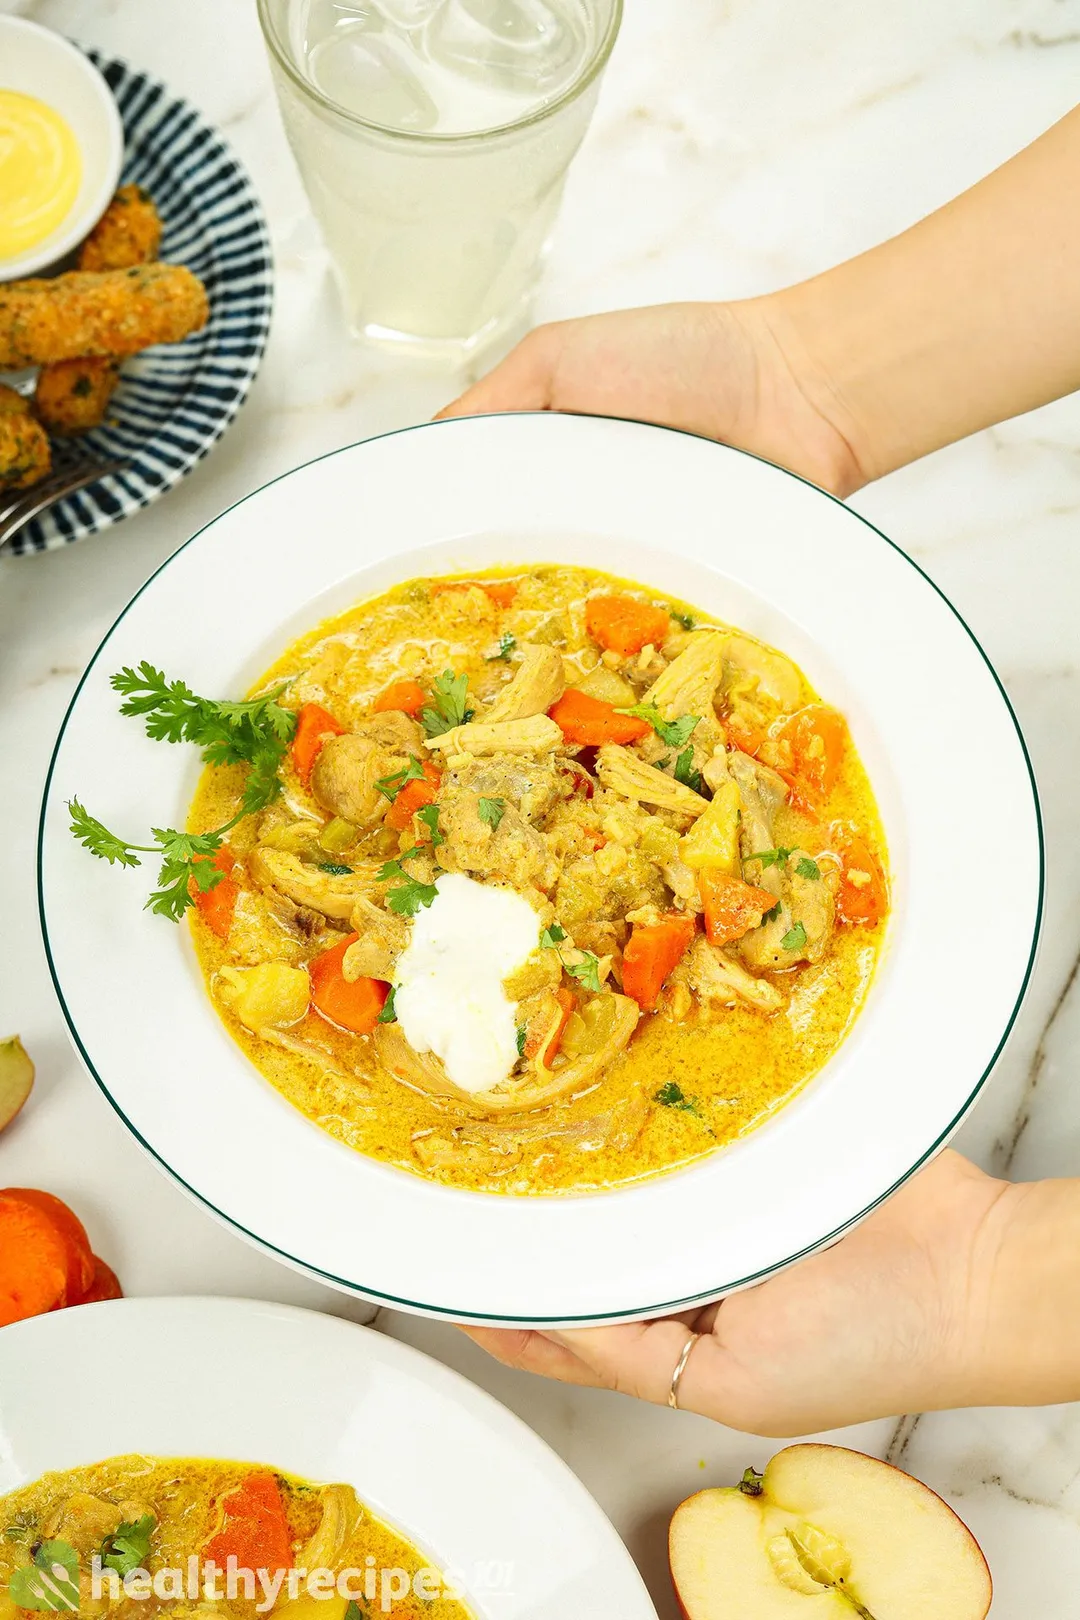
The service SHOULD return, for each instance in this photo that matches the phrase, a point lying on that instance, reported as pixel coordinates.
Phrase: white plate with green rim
(482, 1497)
(748, 543)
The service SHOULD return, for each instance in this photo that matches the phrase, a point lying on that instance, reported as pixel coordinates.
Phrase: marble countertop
(739, 144)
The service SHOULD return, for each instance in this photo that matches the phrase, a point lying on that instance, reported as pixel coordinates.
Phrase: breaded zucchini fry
(111, 312)
(128, 232)
(24, 448)
(72, 396)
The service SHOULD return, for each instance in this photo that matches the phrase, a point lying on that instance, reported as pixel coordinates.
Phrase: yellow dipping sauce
(40, 172)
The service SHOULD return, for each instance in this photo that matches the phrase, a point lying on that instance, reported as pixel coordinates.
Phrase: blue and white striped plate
(174, 402)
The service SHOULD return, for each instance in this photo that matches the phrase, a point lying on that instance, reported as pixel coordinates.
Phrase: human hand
(892, 1319)
(729, 371)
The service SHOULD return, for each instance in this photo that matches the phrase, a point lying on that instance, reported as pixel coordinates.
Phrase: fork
(19, 506)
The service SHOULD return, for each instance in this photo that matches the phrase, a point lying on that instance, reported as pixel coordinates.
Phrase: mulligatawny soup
(566, 884)
(174, 1517)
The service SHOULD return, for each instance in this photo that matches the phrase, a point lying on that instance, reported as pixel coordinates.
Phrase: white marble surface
(739, 144)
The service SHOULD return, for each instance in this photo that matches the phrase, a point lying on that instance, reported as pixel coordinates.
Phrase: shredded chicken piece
(519, 1094)
(484, 1148)
(340, 1515)
(348, 767)
(538, 683)
(536, 735)
(715, 976)
(689, 683)
(383, 937)
(332, 895)
(624, 773)
(750, 666)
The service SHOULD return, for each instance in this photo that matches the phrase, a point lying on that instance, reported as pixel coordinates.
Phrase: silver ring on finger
(680, 1368)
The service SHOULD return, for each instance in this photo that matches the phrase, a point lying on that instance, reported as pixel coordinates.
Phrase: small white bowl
(37, 62)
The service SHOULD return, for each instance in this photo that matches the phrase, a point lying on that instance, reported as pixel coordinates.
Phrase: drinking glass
(436, 229)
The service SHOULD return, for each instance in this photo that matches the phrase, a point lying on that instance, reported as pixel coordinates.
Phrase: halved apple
(826, 1534)
(16, 1078)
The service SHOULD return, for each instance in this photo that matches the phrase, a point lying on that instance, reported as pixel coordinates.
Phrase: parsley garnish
(794, 939)
(389, 1011)
(675, 733)
(671, 1095)
(334, 869)
(391, 786)
(685, 619)
(522, 1037)
(129, 1546)
(771, 857)
(450, 707)
(353, 1610)
(492, 811)
(685, 772)
(586, 972)
(429, 815)
(51, 1582)
(771, 916)
(807, 868)
(256, 733)
(507, 644)
(409, 894)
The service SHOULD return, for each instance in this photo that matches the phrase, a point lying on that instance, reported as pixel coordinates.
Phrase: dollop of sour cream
(40, 171)
(449, 996)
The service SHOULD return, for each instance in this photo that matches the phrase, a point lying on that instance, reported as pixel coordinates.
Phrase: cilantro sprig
(507, 644)
(676, 733)
(794, 939)
(770, 857)
(389, 1010)
(409, 894)
(586, 972)
(256, 733)
(450, 706)
(51, 1583)
(685, 771)
(671, 1095)
(391, 786)
(128, 1547)
(492, 811)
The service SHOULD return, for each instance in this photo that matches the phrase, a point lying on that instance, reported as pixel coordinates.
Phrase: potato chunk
(268, 996)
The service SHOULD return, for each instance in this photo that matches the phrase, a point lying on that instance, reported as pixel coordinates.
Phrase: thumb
(524, 381)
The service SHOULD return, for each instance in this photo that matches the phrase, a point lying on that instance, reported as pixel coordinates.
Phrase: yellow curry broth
(731, 1070)
(184, 1496)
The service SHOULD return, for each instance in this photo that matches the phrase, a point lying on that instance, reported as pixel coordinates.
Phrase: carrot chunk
(413, 796)
(809, 753)
(501, 591)
(536, 1038)
(80, 1261)
(863, 895)
(313, 725)
(352, 1004)
(624, 626)
(408, 696)
(35, 1261)
(216, 906)
(254, 1529)
(653, 951)
(742, 735)
(732, 907)
(589, 721)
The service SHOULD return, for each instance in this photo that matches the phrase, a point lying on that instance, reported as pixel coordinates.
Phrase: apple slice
(826, 1534)
(16, 1078)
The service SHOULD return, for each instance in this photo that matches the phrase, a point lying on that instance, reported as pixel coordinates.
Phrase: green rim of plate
(664, 1307)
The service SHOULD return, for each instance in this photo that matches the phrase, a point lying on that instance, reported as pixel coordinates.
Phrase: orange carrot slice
(809, 753)
(351, 1004)
(216, 906)
(732, 907)
(863, 895)
(413, 796)
(407, 696)
(314, 725)
(624, 626)
(591, 722)
(254, 1529)
(652, 952)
